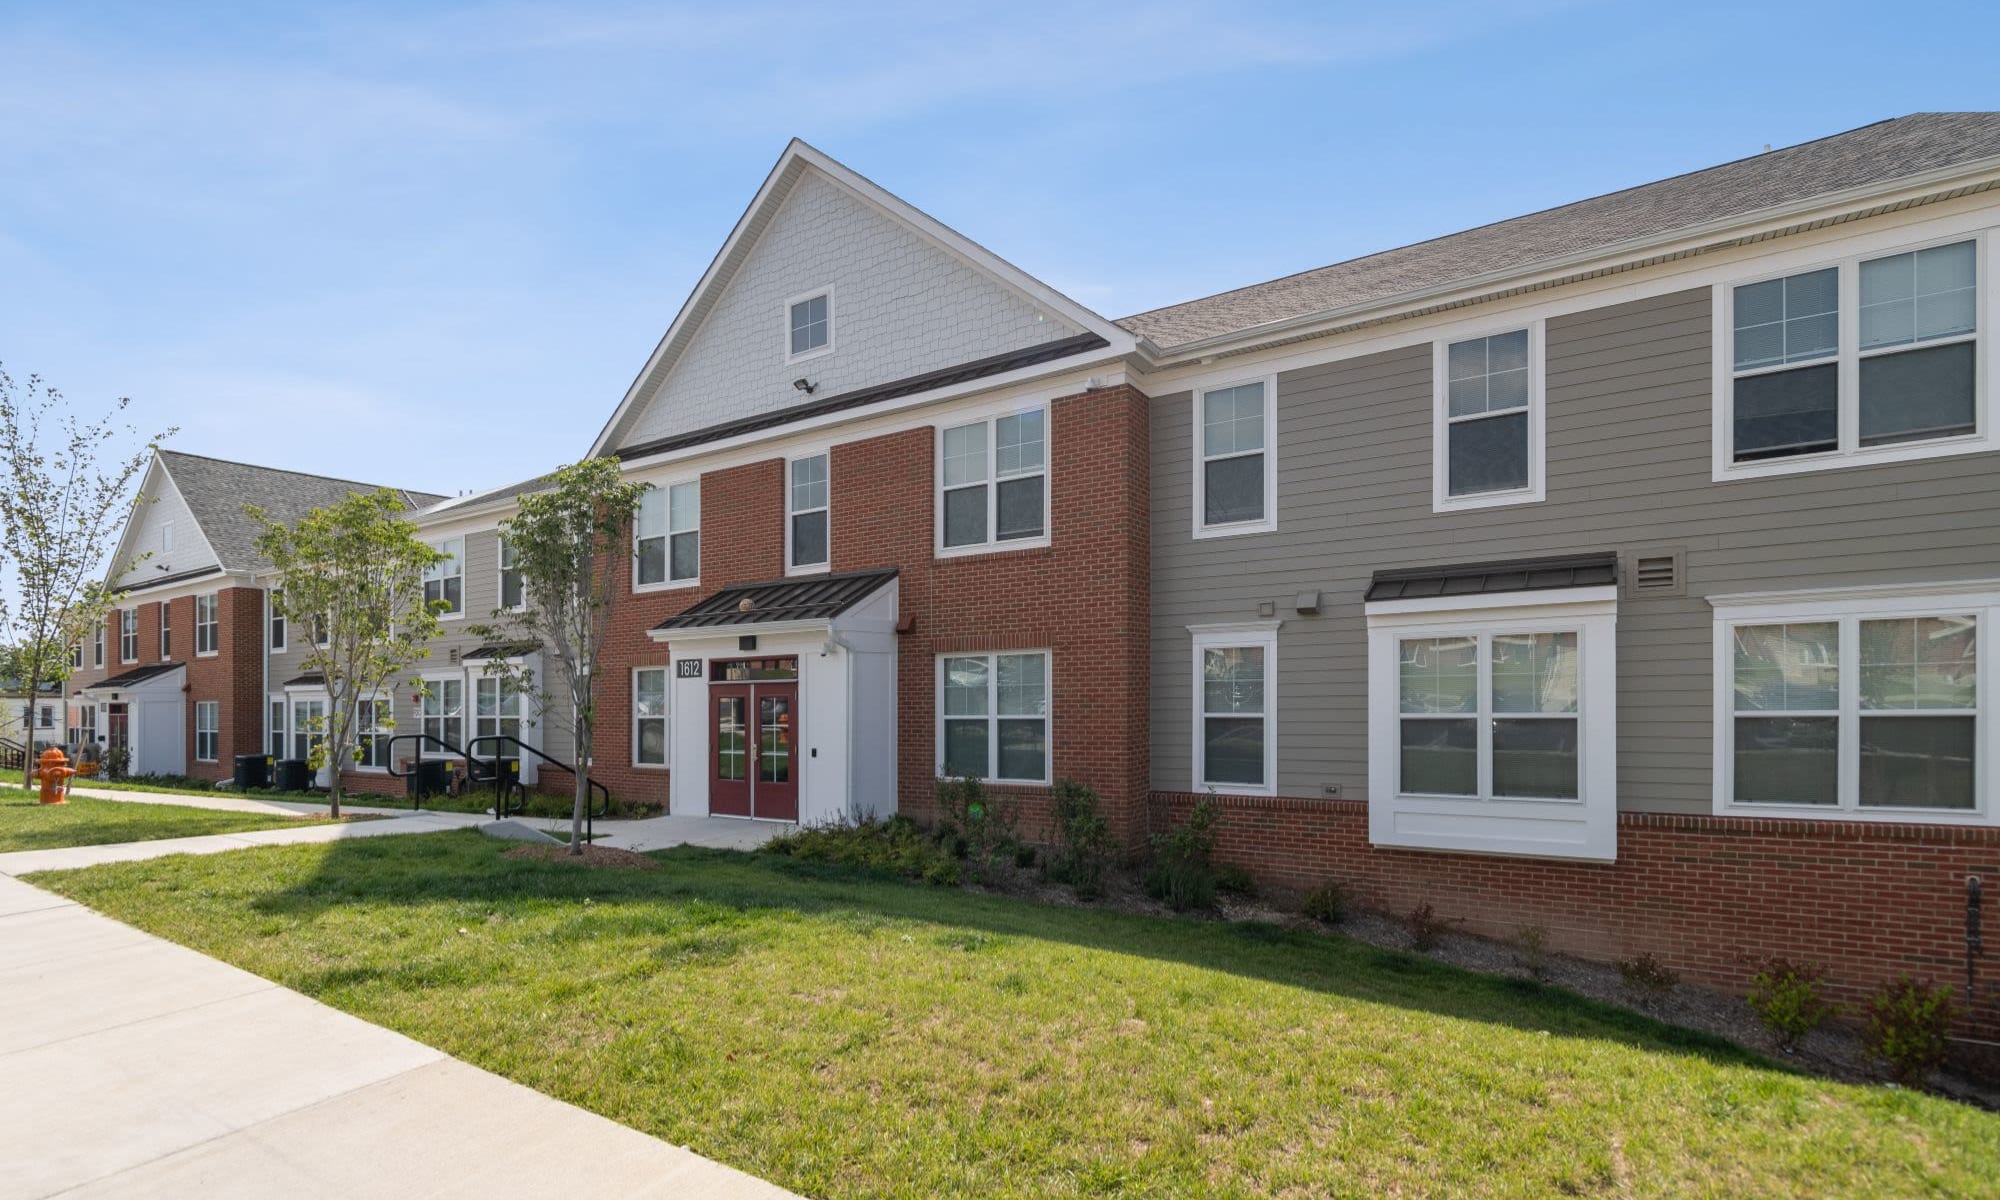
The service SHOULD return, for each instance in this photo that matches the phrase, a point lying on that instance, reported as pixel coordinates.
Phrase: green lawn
(27, 824)
(846, 1035)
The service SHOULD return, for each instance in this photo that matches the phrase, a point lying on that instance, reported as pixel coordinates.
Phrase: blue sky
(430, 244)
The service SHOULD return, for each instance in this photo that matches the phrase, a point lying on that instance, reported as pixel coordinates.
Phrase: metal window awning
(500, 651)
(313, 680)
(1490, 578)
(778, 602)
(136, 677)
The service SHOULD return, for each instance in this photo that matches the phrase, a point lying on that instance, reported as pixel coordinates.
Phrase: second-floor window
(668, 535)
(994, 481)
(275, 604)
(444, 580)
(1487, 421)
(166, 630)
(513, 587)
(207, 624)
(807, 497)
(128, 635)
(1869, 358)
(1235, 480)
(76, 657)
(97, 646)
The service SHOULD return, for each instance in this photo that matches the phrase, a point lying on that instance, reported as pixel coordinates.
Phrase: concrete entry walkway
(138, 1068)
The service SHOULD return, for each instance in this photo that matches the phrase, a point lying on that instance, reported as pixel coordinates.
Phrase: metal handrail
(417, 798)
(591, 786)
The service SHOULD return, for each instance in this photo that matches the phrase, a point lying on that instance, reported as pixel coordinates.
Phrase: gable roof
(216, 491)
(1873, 154)
(797, 159)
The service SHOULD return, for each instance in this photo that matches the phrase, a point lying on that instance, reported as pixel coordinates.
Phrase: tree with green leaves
(566, 541)
(353, 573)
(64, 493)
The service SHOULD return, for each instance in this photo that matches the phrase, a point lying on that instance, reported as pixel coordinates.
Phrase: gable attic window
(809, 324)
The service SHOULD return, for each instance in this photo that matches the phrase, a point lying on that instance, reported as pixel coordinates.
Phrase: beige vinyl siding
(1628, 464)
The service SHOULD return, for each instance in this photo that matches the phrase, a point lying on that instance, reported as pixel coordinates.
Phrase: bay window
(667, 541)
(993, 482)
(649, 717)
(1235, 703)
(993, 717)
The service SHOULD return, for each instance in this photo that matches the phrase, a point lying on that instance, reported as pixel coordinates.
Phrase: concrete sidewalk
(21, 862)
(138, 1068)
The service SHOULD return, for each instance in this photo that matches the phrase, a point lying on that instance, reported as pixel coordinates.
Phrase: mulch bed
(592, 856)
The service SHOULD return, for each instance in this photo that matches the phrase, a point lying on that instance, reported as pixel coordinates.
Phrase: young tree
(353, 572)
(62, 496)
(567, 540)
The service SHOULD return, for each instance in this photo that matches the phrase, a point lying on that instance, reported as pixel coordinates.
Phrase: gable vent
(454, 656)
(1656, 573)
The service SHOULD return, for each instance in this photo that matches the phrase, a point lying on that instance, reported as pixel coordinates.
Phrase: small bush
(1233, 880)
(1182, 874)
(1785, 995)
(1531, 950)
(1082, 852)
(1328, 902)
(982, 824)
(1647, 975)
(1427, 929)
(895, 845)
(1024, 856)
(941, 872)
(1909, 1028)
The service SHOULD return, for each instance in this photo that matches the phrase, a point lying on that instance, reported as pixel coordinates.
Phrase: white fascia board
(1568, 600)
(729, 633)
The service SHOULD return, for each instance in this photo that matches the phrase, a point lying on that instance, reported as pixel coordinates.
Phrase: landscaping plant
(1082, 852)
(1531, 950)
(1909, 1028)
(1785, 995)
(979, 825)
(1328, 902)
(1181, 873)
(895, 845)
(1427, 928)
(1647, 975)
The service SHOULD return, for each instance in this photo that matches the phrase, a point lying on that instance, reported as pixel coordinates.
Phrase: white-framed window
(1873, 358)
(166, 630)
(1236, 708)
(97, 646)
(993, 483)
(76, 657)
(649, 717)
(128, 635)
(166, 537)
(993, 716)
(208, 624)
(45, 716)
(1236, 461)
(373, 725)
(1867, 703)
(809, 325)
(322, 630)
(807, 496)
(207, 729)
(1487, 421)
(308, 726)
(667, 536)
(496, 711)
(443, 712)
(513, 585)
(275, 735)
(1493, 723)
(444, 580)
(85, 733)
(273, 605)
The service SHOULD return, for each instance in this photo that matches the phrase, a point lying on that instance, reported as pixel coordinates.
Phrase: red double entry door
(753, 750)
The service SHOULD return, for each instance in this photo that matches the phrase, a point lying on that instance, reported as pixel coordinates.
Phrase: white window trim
(214, 708)
(1583, 828)
(97, 648)
(166, 630)
(994, 715)
(215, 600)
(354, 755)
(818, 568)
(1222, 636)
(667, 677)
(284, 727)
(123, 613)
(785, 319)
(293, 698)
(1985, 384)
(1269, 522)
(458, 573)
(1848, 606)
(424, 748)
(501, 693)
(500, 578)
(992, 545)
(666, 489)
(1441, 420)
(273, 617)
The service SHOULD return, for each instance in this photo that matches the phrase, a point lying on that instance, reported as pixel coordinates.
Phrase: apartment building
(1620, 569)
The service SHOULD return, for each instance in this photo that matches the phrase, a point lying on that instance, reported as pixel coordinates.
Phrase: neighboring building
(1620, 569)
(178, 673)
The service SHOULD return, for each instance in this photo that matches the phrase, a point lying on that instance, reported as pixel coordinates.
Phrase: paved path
(20, 862)
(137, 1068)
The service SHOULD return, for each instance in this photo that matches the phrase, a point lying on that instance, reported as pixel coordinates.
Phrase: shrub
(1182, 874)
(1082, 851)
(1909, 1028)
(895, 845)
(1328, 902)
(1647, 975)
(1024, 856)
(982, 824)
(1232, 880)
(1531, 950)
(1785, 995)
(1427, 929)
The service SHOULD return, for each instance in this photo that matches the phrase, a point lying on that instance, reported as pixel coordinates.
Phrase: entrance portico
(143, 710)
(783, 703)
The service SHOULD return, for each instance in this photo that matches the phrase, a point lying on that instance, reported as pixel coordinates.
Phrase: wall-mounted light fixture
(805, 385)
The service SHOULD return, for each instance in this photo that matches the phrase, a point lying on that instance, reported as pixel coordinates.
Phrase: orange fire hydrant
(54, 772)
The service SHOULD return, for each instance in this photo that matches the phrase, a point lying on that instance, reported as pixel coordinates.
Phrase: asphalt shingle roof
(216, 491)
(1877, 153)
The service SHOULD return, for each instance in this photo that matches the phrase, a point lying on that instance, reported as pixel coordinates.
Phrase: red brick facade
(1710, 896)
(1084, 597)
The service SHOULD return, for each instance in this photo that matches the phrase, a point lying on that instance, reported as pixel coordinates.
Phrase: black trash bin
(253, 770)
(293, 774)
(428, 777)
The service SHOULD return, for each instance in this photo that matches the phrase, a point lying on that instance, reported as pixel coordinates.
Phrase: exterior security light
(805, 385)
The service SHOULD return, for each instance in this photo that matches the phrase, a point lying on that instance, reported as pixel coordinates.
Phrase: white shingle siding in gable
(190, 550)
(902, 306)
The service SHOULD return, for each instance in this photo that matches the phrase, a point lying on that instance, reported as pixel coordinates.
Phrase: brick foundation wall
(1710, 896)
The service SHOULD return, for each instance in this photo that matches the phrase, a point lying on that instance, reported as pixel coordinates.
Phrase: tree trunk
(580, 760)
